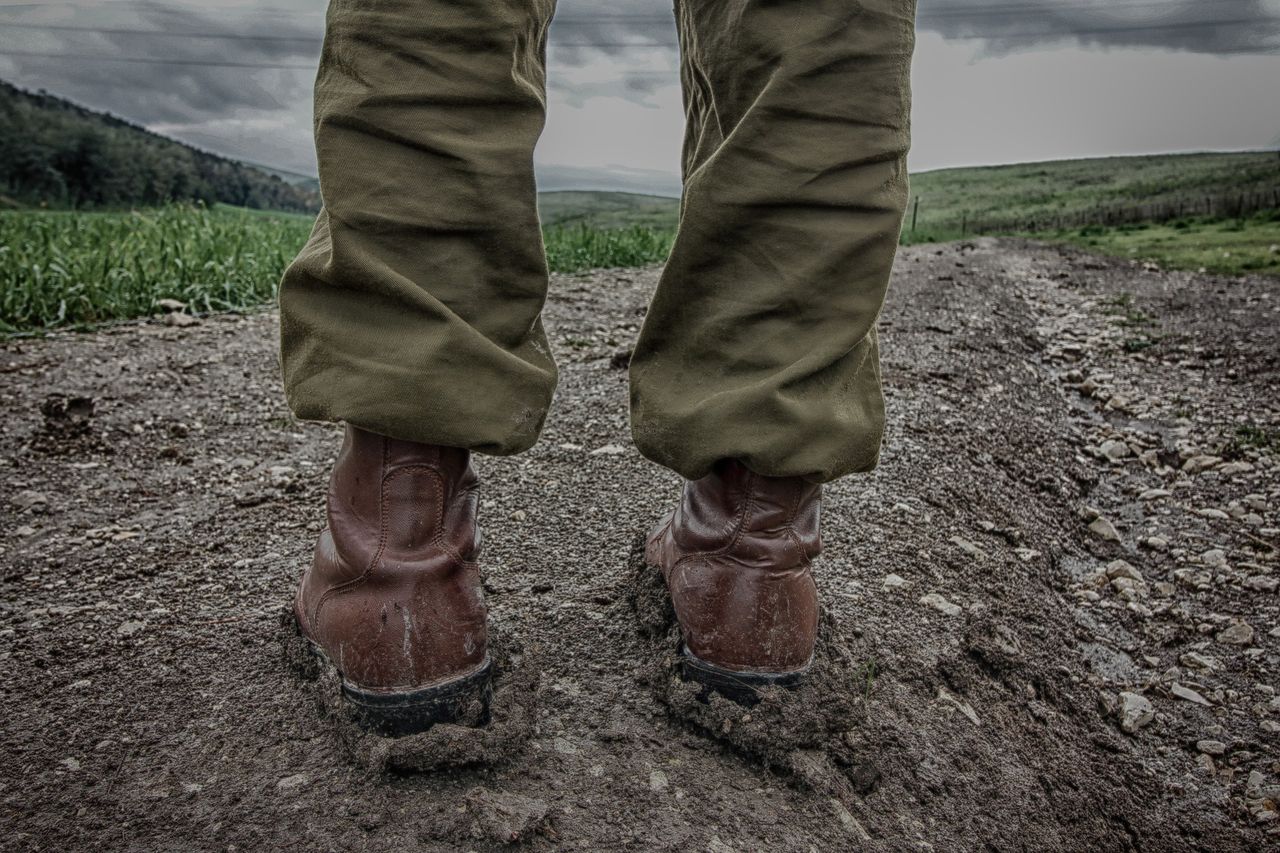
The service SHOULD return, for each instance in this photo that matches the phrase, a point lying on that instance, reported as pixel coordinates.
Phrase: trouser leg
(413, 311)
(760, 343)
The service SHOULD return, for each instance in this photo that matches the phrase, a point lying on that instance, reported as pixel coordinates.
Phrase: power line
(153, 60)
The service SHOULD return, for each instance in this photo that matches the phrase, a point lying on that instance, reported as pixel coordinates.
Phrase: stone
(893, 582)
(1203, 462)
(1114, 450)
(1233, 468)
(180, 320)
(1195, 660)
(1123, 569)
(940, 603)
(658, 781)
(1104, 530)
(1135, 712)
(1215, 557)
(170, 305)
(1237, 634)
(1156, 543)
(27, 499)
(1262, 583)
(1210, 512)
(1211, 747)
(1187, 694)
(1154, 494)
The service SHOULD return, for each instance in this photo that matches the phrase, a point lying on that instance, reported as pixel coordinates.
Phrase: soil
(1052, 618)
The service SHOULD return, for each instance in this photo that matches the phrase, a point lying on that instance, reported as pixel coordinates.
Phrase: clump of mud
(67, 426)
(809, 733)
(512, 712)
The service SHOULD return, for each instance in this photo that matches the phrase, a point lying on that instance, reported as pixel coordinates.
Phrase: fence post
(914, 213)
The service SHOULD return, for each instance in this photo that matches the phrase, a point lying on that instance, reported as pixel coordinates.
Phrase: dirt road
(1059, 590)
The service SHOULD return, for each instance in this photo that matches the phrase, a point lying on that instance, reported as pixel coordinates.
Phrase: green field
(60, 269)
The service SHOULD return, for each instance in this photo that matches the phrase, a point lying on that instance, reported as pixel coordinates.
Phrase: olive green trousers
(413, 311)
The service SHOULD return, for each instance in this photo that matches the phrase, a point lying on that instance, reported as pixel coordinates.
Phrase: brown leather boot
(393, 595)
(736, 556)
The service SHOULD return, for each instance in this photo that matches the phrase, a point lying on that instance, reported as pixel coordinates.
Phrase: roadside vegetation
(1229, 246)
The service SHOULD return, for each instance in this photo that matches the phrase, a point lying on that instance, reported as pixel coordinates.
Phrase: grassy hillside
(608, 209)
(56, 154)
(1076, 193)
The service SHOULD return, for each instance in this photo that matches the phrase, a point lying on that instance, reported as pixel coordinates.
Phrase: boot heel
(741, 687)
(464, 701)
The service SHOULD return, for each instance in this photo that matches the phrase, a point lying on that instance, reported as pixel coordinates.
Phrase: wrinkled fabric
(414, 309)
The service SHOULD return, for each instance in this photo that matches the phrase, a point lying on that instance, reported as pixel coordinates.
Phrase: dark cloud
(588, 28)
(1218, 27)
(248, 92)
(127, 58)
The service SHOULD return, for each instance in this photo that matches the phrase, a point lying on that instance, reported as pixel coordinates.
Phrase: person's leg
(413, 315)
(413, 311)
(760, 343)
(756, 373)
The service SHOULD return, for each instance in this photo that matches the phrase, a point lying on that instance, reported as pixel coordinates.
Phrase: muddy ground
(1057, 595)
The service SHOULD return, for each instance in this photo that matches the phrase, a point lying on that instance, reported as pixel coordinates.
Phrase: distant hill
(58, 154)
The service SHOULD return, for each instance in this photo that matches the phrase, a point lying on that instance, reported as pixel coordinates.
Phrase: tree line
(54, 153)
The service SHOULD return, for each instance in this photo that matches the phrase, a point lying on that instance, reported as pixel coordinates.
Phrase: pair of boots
(393, 597)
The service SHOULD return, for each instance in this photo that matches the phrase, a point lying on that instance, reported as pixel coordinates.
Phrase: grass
(1228, 246)
(67, 269)
(78, 270)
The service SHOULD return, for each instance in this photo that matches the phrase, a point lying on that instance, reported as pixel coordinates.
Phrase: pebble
(293, 781)
(1104, 530)
(1156, 543)
(1153, 494)
(940, 603)
(1211, 747)
(1235, 468)
(519, 515)
(1212, 513)
(894, 582)
(609, 450)
(1262, 583)
(1136, 711)
(70, 763)
(1238, 634)
(658, 781)
(128, 629)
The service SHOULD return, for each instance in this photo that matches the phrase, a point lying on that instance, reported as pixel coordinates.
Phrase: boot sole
(408, 712)
(741, 687)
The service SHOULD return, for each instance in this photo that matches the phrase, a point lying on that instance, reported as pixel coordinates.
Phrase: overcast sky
(995, 81)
